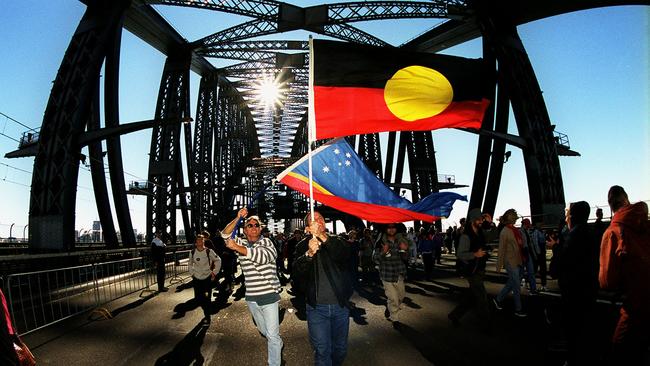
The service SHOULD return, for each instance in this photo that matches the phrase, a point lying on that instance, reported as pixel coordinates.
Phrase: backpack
(207, 254)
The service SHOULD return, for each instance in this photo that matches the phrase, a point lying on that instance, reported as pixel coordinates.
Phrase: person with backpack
(473, 254)
(204, 265)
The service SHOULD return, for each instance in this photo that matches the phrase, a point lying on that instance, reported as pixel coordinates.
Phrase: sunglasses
(252, 225)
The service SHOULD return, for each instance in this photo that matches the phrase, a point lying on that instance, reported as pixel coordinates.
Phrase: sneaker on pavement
(520, 314)
(497, 304)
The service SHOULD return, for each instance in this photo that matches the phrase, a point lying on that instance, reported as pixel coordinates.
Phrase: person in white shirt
(204, 266)
(158, 258)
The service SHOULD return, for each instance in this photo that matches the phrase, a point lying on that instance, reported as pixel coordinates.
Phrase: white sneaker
(497, 304)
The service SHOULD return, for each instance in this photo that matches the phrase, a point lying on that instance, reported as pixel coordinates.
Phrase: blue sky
(592, 67)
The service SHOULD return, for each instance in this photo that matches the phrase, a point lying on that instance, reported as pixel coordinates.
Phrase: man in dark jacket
(472, 254)
(578, 280)
(321, 268)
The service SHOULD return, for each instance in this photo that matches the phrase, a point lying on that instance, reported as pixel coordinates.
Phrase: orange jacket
(625, 264)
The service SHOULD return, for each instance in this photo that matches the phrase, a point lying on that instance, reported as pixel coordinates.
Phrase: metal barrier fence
(41, 298)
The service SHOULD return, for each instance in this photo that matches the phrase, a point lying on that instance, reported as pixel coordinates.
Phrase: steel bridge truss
(235, 144)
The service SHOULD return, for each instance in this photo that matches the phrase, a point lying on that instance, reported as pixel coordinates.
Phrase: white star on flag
(348, 155)
(337, 151)
(348, 163)
(326, 169)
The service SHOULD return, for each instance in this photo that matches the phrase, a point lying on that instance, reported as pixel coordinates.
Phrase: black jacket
(335, 257)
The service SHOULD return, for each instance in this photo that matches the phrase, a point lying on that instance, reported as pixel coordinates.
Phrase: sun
(269, 92)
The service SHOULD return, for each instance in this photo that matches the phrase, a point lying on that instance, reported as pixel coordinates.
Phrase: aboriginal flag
(359, 89)
(342, 181)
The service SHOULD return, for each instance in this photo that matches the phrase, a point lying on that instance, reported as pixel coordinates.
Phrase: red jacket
(625, 267)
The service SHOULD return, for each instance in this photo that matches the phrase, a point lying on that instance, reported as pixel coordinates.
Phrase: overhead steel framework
(235, 144)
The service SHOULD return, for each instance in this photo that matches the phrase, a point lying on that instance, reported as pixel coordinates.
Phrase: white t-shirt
(200, 263)
(157, 242)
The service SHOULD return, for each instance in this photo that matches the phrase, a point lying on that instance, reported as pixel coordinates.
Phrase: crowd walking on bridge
(325, 269)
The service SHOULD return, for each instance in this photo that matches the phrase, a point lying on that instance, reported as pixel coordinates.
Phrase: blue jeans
(328, 333)
(530, 274)
(514, 285)
(267, 319)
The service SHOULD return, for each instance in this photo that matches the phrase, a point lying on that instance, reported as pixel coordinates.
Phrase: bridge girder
(229, 125)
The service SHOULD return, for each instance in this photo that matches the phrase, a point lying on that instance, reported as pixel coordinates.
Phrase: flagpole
(248, 207)
(311, 134)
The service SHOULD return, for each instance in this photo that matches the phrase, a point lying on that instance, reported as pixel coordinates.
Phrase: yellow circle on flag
(417, 92)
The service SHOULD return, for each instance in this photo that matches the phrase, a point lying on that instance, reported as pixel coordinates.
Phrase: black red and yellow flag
(358, 89)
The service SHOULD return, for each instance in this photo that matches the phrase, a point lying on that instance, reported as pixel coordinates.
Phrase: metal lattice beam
(253, 28)
(251, 8)
(377, 10)
(56, 166)
(259, 45)
(164, 156)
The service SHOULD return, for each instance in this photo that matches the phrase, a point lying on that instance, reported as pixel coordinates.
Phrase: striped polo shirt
(259, 269)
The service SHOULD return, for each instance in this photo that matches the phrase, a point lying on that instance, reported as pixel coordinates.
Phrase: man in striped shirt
(257, 256)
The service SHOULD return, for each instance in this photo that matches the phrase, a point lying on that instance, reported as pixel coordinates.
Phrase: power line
(13, 167)
(13, 120)
(11, 181)
(9, 137)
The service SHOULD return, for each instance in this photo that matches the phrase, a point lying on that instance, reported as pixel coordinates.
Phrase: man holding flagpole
(322, 269)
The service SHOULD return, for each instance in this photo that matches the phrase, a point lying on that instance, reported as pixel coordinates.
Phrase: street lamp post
(24, 232)
(10, 231)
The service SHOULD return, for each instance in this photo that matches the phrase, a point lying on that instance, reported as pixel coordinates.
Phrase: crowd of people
(326, 268)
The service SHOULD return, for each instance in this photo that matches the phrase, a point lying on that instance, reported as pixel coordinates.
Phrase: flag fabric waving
(359, 89)
(342, 181)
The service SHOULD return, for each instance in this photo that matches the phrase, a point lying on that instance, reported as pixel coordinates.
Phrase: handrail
(38, 299)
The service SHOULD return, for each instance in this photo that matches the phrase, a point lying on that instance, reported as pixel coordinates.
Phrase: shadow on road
(187, 351)
(132, 305)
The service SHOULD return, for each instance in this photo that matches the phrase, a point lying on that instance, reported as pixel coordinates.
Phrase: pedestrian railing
(41, 298)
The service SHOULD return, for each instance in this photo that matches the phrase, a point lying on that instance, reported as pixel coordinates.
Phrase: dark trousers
(202, 293)
(474, 297)
(633, 353)
(160, 274)
(540, 267)
(228, 268)
(289, 264)
(579, 325)
(427, 260)
(437, 253)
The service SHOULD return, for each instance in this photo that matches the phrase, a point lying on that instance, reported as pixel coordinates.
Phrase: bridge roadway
(165, 329)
